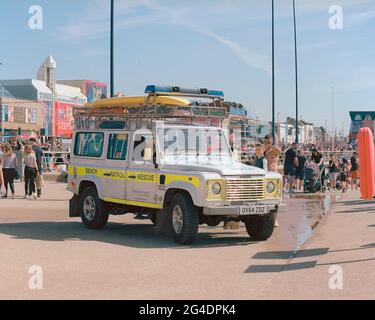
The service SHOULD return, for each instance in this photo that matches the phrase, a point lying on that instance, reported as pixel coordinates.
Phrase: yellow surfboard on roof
(136, 101)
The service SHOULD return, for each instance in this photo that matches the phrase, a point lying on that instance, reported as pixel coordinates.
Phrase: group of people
(21, 162)
(344, 173)
(340, 174)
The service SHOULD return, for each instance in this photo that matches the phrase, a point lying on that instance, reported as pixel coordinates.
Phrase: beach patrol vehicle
(166, 156)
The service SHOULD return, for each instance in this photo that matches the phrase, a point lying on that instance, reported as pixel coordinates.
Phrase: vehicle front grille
(245, 189)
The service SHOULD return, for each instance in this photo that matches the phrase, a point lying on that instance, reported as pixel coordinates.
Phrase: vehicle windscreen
(193, 145)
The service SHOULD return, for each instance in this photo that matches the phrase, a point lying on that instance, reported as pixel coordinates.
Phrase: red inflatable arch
(366, 163)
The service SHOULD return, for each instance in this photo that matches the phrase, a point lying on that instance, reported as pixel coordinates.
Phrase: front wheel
(93, 212)
(183, 219)
(260, 228)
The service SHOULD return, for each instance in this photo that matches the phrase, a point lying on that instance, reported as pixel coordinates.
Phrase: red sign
(64, 119)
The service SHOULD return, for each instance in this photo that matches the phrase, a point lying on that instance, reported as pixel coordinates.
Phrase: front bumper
(234, 210)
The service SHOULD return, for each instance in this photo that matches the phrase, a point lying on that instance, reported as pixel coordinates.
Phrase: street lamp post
(296, 68)
(273, 72)
(112, 50)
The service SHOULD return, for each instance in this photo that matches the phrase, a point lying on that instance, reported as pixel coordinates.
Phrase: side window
(117, 146)
(89, 144)
(144, 148)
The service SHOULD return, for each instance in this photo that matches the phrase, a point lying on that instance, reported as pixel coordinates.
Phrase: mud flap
(74, 207)
(162, 223)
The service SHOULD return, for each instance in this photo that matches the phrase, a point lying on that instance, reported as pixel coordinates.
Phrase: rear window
(89, 144)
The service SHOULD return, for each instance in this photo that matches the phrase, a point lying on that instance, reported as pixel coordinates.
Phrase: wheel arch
(172, 192)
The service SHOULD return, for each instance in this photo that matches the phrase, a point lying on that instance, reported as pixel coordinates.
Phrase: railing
(55, 160)
(250, 156)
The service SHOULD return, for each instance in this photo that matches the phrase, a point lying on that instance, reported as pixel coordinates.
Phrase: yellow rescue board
(136, 101)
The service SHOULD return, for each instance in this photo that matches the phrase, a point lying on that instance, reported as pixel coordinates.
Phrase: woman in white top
(31, 171)
(9, 170)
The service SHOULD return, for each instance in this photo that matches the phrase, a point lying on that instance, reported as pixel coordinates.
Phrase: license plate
(248, 210)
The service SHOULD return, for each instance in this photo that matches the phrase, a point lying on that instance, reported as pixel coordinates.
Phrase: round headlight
(270, 187)
(216, 188)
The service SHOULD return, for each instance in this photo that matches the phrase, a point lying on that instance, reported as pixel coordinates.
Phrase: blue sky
(219, 44)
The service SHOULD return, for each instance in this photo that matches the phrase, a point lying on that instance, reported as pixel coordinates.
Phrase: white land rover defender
(160, 156)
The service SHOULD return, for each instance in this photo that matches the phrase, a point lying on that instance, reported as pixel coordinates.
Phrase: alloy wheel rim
(177, 219)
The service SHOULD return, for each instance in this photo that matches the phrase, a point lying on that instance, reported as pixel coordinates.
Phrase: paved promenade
(343, 244)
(127, 260)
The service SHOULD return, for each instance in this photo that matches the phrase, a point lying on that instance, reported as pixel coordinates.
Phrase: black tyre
(183, 219)
(153, 218)
(93, 212)
(260, 228)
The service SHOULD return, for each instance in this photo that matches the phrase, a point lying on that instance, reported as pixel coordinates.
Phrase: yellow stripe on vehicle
(195, 181)
(137, 176)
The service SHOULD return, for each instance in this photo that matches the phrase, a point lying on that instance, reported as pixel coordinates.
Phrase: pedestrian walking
(39, 160)
(333, 167)
(345, 174)
(318, 158)
(290, 165)
(300, 170)
(31, 171)
(9, 171)
(19, 154)
(1, 168)
(354, 162)
(260, 159)
(272, 154)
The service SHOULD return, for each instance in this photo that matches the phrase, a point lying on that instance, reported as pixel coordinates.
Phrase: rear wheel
(183, 219)
(93, 212)
(260, 228)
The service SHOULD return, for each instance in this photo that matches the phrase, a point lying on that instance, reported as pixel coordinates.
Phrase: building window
(117, 146)
(4, 110)
(31, 115)
(89, 144)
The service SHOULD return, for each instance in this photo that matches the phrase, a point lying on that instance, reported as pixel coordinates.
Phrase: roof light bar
(177, 90)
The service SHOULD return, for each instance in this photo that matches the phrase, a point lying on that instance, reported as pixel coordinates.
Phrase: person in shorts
(354, 171)
(300, 175)
(290, 165)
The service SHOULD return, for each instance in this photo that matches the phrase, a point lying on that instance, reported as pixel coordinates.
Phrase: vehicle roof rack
(170, 110)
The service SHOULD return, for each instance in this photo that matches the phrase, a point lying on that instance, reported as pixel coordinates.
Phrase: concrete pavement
(338, 262)
(127, 260)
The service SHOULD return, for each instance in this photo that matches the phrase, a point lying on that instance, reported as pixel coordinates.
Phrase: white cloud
(94, 25)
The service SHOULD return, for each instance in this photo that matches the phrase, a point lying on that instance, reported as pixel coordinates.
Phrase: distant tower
(47, 73)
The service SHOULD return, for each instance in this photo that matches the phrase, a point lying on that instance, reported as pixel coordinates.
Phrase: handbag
(39, 182)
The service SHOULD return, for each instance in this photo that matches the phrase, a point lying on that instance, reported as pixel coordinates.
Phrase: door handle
(107, 174)
(132, 177)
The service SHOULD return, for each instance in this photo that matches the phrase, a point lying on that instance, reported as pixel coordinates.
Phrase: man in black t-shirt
(317, 157)
(39, 160)
(290, 165)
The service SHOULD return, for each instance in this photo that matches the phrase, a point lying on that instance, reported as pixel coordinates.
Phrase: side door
(116, 163)
(141, 174)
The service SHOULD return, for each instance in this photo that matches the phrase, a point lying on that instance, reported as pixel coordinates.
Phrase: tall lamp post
(273, 72)
(296, 68)
(112, 50)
